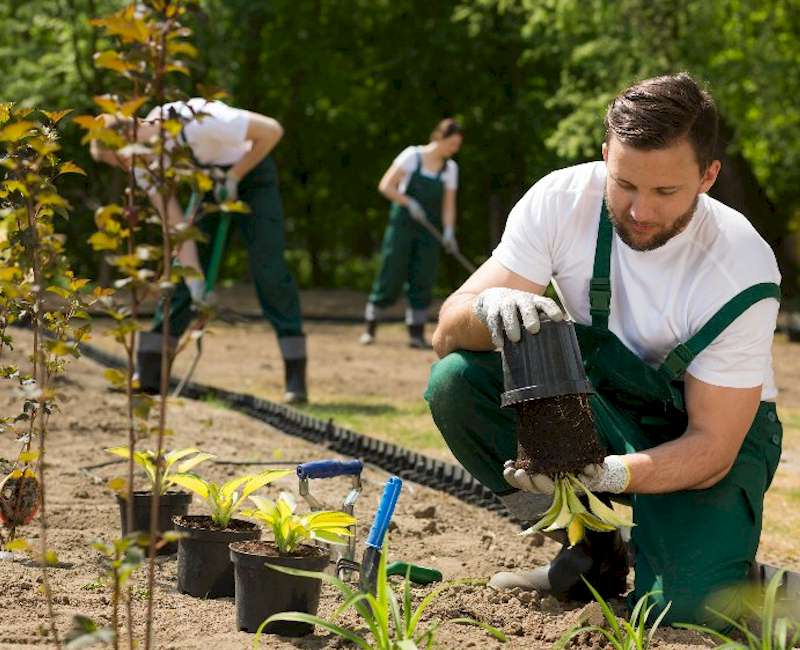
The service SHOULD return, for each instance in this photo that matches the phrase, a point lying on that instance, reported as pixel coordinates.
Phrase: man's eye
(669, 192)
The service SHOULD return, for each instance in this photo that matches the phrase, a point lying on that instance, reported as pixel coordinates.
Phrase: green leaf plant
(227, 499)
(37, 287)
(392, 625)
(778, 624)
(290, 529)
(633, 634)
(568, 512)
(170, 467)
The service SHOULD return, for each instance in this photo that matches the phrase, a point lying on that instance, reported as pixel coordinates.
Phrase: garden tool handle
(417, 574)
(329, 468)
(383, 515)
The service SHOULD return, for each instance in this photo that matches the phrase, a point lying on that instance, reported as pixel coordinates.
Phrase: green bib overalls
(409, 253)
(688, 544)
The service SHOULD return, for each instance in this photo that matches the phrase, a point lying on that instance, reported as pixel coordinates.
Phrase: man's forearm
(688, 463)
(257, 153)
(459, 328)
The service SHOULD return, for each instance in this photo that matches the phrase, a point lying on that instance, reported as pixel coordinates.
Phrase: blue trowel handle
(329, 468)
(383, 516)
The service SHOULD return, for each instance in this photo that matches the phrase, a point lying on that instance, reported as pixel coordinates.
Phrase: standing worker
(238, 144)
(421, 183)
(675, 298)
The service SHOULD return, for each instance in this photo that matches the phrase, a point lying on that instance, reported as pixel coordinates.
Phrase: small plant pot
(547, 364)
(262, 592)
(204, 563)
(170, 505)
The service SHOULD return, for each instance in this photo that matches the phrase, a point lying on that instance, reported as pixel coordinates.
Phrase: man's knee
(448, 383)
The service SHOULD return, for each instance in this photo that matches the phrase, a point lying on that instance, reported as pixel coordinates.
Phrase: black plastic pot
(170, 505)
(262, 592)
(547, 364)
(204, 563)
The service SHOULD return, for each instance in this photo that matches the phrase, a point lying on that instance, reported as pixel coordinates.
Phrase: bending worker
(421, 183)
(237, 143)
(675, 298)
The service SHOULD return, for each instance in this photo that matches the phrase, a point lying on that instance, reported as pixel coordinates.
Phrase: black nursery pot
(170, 505)
(262, 592)
(547, 364)
(204, 563)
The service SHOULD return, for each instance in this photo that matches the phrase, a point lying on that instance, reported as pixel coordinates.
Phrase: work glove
(228, 189)
(415, 210)
(449, 240)
(611, 476)
(499, 308)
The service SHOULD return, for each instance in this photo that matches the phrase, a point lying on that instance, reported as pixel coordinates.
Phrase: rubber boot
(148, 361)
(295, 375)
(601, 558)
(416, 338)
(293, 351)
(368, 337)
(793, 327)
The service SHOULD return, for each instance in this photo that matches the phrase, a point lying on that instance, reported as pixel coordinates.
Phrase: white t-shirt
(659, 298)
(216, 132)
(408, 159)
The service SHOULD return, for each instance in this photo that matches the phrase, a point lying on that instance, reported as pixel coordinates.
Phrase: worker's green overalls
(688, 544)
(262, 232)
(410, 254)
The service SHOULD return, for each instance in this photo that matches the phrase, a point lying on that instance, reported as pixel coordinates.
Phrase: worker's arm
(719, 419)
(265, 133)
(390, 184)
(459, 327)
(449, 209)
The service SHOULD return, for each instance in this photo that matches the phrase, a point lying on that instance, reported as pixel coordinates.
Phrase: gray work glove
(449, 240)
(500, 308)
(415, 210)
(611, 476)
(227, 189)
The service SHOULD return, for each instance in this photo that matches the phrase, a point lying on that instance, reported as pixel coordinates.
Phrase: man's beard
(656, 240)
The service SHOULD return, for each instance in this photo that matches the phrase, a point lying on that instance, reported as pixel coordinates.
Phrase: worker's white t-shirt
(659, 298)
(408, 159)
(216, 132)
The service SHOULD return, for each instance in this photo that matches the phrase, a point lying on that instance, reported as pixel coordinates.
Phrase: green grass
(408, 424)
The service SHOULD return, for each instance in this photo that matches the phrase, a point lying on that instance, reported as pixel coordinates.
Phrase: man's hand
(228, 189)
(499, 308)
(449, 240)
(611, 476)
(520, 479)
(415, 210)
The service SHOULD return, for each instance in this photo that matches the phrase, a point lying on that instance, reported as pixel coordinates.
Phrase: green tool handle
(419, 574)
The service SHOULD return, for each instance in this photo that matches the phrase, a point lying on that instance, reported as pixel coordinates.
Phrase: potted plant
(204, 565)
(260, 590)
(171, 502)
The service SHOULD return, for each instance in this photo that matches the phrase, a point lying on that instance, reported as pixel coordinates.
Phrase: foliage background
(355, 81)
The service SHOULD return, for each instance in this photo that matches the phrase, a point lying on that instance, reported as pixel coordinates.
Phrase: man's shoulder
(585, 177)
(569, 193)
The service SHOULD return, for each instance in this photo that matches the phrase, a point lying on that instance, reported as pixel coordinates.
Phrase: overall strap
(600, 284)
(679, 359)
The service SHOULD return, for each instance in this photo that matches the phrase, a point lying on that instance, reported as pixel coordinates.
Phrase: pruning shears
(320, 469)
(370, 560)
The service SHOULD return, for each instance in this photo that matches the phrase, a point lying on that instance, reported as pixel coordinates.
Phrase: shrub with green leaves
(392, 626)
(170, 468)
(633, 634)
(290, 529)
(226, 500)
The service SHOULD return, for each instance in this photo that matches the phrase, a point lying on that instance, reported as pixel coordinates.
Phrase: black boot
(295, 374)
(416, 338)
(368, 337)
(148, 361)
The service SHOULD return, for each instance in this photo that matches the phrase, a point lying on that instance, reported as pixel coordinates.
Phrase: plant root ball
(19, 498)
(557, 435)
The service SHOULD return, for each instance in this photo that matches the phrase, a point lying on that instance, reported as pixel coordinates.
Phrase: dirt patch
(205, 523)
(557, 434)
(468, 542)
(268, 549)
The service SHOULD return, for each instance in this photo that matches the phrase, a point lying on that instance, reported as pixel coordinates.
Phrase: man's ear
(604, 149)
(710, 176)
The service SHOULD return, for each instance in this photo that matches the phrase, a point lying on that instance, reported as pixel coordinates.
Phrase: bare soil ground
(461, 540)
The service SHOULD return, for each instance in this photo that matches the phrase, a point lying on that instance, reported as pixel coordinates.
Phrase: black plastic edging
(407, 464)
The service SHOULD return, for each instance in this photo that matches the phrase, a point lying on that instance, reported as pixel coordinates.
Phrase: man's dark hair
(658, 112)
